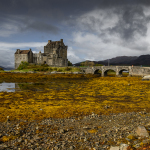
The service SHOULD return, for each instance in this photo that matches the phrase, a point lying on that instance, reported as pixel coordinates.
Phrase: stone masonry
(55, 54)
(133, 70)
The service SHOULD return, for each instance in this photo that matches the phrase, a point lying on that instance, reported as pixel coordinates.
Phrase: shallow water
(8, 87)
(14, 87)
(37, 86)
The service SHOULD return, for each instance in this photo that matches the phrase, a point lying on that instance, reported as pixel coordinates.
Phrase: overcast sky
(92, 29)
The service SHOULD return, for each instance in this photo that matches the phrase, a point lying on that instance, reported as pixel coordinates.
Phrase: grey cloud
(132, 22)
(24, 23)
(7, 60)
(73, 6)
(55, 11)
(41, 26)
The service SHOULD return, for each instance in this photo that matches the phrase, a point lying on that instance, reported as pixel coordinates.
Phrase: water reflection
(8, 87)
(30, 86)
(15, 87)
(55, 84)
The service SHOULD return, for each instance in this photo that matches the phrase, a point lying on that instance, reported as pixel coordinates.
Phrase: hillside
(2, 67)
(122, 60)
(142, 60)
(125, 60)
(6, 68)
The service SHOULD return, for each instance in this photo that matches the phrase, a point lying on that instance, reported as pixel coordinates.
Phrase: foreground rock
(146, 78)
(100, 132)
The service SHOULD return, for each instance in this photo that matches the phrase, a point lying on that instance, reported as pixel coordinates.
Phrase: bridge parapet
(133, 70)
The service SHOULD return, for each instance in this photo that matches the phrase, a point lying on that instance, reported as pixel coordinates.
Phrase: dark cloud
(132, 22)
(62, 8)
(41, 26)
(48, 15)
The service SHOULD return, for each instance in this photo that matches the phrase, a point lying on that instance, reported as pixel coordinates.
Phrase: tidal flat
(40, 96)
(73, 111)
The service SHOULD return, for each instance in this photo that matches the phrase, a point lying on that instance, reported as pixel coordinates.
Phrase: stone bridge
(133, 70)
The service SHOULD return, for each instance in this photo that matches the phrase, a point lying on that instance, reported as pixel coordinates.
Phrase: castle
(55, 54)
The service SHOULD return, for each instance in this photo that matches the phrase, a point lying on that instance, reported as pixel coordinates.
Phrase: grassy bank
(26, 67)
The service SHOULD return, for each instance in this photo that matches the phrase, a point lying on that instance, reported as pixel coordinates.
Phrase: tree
(98, 65)
(23, 65)
(69, 63)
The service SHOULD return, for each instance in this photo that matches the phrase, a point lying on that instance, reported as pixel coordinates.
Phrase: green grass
(39, 68)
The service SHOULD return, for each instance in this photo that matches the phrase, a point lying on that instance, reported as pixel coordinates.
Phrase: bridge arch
(108, 71)
(97, 71)
(120, 73)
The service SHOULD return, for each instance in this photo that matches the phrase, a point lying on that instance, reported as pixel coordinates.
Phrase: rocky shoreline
(97, 132)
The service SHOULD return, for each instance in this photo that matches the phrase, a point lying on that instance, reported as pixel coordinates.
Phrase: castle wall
(38, 58)
(58, 62)
(19, 58)
(48, 49)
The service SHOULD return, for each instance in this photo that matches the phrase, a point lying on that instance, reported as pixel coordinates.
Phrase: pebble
(89, 132)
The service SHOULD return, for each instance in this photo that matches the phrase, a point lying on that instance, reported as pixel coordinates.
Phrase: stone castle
(55, 54)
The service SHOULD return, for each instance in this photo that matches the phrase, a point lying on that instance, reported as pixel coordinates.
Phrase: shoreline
(92, 131)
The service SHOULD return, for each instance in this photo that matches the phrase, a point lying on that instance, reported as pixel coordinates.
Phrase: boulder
(124, 146)
(141, 131)
(75, 73)
(146, 78)
(114, 148)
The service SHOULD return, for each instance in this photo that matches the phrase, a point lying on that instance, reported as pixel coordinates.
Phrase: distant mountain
(2, 67)
(121, 60)
(7, 68)
(125, 60)
(142, 60)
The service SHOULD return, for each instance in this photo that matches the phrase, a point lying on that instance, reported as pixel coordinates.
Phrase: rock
(124, 146)
(60, 73)
(137, 145)
(131, 137)
(146, 78)
(62, 131)
(75, 72)
(146, 141)
(141, 131)
(31, 72)
(114, 148)
(68, 72)
(53, 72)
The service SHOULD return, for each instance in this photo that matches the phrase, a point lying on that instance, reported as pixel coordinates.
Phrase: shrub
(67, 69)
(44, 65)
(45, 69)
(23, 65)
(69, 63)
(1, 69)
(50, 69)
(55, 69)
(98, 65)
(59, 70)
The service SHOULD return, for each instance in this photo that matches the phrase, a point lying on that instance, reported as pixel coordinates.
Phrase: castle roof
(23, 52)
